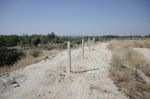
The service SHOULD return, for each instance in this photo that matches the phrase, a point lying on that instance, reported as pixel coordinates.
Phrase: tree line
(25, 39)
(13, 40)
(9, 56)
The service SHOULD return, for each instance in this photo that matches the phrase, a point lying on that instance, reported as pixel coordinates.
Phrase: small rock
(15, 85)
(13, 82)
(44, 94)
(64, 71)
(4, 83)
(119, 89)
(59, 80)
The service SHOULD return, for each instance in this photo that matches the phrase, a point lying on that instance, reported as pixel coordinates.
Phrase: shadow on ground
(85, 70)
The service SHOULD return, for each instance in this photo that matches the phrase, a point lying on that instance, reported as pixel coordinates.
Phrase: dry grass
(146, 69)
(127, 79)
(27, 60)
(125, 55)
(142, 43)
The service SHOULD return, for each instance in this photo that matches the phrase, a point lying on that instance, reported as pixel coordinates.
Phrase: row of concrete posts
(69, 51)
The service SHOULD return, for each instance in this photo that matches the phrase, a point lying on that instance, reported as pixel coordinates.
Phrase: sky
(75, 17)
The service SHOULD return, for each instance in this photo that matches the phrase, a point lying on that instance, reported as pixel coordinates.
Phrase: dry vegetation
(128, 68)
(27, 60)
(142, 43)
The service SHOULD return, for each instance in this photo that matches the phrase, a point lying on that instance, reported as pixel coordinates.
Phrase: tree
(63, 39)
(86, 38)
(13, 40)
(43, 39)
(2, 40)
(51, 36)
(56, 39)
(96, 39)
(35, 40)
(27, 39)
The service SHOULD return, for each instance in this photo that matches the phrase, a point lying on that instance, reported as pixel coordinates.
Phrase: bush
(35, 41)
(9, 56)
(35, 53)
(78, 41)
(56, 39)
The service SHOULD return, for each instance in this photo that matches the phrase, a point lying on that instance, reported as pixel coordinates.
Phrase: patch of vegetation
(9, 56)
(126, 70)
(8, 43)
(35, 53)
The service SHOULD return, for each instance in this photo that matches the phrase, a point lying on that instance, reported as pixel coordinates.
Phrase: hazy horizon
(75, 18)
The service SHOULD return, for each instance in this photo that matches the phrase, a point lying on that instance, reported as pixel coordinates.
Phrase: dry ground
(49, 79)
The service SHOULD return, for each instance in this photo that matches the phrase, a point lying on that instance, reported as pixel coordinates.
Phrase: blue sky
(75, 17)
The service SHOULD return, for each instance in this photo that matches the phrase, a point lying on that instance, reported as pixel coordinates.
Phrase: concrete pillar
(83, 48)
(89, 43)
(69, 57)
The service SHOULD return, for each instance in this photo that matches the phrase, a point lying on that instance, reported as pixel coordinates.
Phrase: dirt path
(49, 79)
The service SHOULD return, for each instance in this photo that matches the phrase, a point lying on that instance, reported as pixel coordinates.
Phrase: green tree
(35, 40)
(13, 40)
(56, 39)
(27, 39)
(43, 39)
(2, 40)
(51, 36)
(63, 39)
(96, 39)
(86, 38)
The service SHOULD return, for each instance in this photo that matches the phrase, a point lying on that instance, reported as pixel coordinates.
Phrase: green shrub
(56, 39)
(9, 56)
(35, 41)
(35, 53)
(78, 41)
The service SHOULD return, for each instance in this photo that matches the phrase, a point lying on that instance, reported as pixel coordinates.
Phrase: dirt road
(49, 79)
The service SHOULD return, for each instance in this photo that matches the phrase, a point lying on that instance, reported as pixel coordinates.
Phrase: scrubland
(129, 69)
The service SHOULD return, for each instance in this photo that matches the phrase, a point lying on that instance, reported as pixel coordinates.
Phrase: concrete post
(93, 41)
(89, 43)
(69, 57)
(83, 48)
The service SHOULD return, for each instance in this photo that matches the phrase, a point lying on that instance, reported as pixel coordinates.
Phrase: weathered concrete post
(93, 41)
(69, 57)
(83, 48)
(89, 43)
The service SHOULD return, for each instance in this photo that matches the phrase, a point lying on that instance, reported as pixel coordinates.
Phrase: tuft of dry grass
(146, 69)
(142, 43)
(123, 54)
(125, 63)
(27, 60)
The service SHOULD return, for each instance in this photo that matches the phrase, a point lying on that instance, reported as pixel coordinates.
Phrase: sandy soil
(49, 79)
